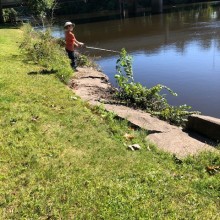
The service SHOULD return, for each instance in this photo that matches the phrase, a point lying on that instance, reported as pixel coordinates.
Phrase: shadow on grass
(9, 26)
(43, 72)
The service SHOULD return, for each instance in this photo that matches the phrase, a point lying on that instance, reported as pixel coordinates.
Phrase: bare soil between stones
(94, 87)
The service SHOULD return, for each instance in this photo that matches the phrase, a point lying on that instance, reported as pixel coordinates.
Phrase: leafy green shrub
(41, 48)
(149, 99)
(84, 61)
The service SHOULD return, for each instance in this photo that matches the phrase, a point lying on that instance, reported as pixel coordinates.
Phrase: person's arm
(77, 43)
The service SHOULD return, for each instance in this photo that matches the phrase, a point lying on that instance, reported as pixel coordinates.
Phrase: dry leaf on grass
(129, 136)
(213, 169)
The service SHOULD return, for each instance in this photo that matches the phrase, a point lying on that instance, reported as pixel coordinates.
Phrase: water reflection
(180, 49)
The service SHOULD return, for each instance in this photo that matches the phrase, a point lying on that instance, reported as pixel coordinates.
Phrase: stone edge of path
(94, 87)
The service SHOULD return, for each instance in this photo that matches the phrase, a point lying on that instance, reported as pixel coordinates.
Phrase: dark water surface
(180, 49)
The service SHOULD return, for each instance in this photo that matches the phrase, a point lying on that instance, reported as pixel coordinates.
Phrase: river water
(180, 49)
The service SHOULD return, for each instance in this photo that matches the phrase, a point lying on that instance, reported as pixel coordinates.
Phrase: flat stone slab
(93, 86)
(167, 137)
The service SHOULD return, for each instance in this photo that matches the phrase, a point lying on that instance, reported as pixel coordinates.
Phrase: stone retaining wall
(205, 125)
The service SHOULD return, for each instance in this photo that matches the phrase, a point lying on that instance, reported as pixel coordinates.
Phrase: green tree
(42, 8)
(1, 13)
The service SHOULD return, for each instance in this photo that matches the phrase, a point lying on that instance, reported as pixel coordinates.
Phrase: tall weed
(150, 99)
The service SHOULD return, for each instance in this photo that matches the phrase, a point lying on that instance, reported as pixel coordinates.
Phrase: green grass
(61, 159)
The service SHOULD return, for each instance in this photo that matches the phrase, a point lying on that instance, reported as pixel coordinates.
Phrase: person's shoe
(75, 69)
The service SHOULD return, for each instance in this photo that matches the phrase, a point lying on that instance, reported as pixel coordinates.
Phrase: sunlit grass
(61, 159)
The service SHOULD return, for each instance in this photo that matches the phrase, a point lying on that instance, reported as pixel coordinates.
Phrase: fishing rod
(97, 48)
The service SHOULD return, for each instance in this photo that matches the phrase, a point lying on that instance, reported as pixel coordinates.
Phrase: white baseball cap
(69, 23)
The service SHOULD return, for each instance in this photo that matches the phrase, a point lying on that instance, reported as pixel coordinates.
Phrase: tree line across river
(69, 7)
(87, 6)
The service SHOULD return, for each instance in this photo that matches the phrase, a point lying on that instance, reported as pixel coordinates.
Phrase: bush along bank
(148, 99)
(41, 48)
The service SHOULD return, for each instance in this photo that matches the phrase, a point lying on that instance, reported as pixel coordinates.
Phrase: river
(180, 49)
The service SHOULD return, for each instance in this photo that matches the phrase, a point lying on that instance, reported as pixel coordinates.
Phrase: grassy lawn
(61, 159)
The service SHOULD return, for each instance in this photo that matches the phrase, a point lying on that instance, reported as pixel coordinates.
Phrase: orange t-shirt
(70, 40)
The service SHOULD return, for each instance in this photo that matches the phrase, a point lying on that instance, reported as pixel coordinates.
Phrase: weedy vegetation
(63, 159)
(85, 61)
(42, 49)
(149, 99)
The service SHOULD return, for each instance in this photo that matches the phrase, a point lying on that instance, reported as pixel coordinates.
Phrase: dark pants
(72, 57)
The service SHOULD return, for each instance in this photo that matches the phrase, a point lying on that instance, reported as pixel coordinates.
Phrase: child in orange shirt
(71, 43)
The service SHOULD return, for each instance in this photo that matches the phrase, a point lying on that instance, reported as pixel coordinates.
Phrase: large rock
(205, 125)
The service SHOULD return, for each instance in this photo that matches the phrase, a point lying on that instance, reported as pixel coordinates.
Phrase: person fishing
(71, 43)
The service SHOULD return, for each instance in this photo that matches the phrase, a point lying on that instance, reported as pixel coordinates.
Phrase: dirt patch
(94, 87)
